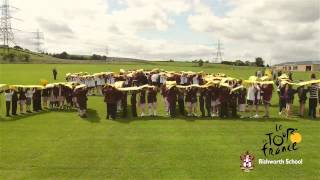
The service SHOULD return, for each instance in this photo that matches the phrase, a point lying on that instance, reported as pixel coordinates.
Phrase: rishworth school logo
(246, 162)
(282, 140)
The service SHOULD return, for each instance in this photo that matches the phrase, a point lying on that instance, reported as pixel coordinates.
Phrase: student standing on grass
(224, 104)
(242, 98)
(45, 97)
(164, 92)
(22, 99)
(152, 101)
(194, 100)
(188, 101)
(134, 103)
(181, 101)
(14, 102)
(172, 100)
(233, 103)
(51, 98)
(61, 96)
(215, 101)
(29, 95)
(56, 96)
(253, 98)
(55, 73)
(37, 100)
(282, 99)
(202, 102)
(207, 95)
(134, 100)
(313, 97)
(302, 93)
(124, 104)
(142, 102)
(267, 96)
(289, 96)
(68, 94)
(111, 98)
(8, 94)
(81, 95)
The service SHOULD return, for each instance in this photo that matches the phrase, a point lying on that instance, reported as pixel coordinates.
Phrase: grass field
(60, 145)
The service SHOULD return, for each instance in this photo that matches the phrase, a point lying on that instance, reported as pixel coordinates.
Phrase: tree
(18, 47)
(239, 63)
(11, 57)
(200, 63)
(26, 57)
(64, 55)
(259, 62)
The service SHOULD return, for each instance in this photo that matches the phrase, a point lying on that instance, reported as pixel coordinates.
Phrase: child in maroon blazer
(152, 101)
(142, 102)
(267, 95)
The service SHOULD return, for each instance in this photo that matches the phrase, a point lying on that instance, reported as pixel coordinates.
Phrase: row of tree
(65, 55)
(259, 62)
(13, 56)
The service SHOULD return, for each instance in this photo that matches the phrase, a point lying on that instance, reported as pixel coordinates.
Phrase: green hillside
(25, 57)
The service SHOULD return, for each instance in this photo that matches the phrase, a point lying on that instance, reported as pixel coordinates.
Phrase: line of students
(287, 93)
(212, 101)
(23, 98)
(52, 98)
(217, 100)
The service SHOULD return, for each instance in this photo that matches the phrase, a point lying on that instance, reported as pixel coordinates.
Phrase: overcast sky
(277, 30)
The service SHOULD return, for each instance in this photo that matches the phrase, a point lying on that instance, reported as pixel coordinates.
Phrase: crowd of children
(52, 97)
(196, 94)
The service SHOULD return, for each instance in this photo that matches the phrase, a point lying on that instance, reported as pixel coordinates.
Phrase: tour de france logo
(246, 162)
(279, 141)
(282, 140)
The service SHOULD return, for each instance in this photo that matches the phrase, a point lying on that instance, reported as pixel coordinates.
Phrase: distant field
(60, 145)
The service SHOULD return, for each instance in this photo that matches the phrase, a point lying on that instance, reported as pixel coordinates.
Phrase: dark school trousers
(208, 106)
(224, 113)
(313, 102)
(8, 103)
(181, 105)
(201, 100)
(111, 110)
(172, 109)
(14, 107)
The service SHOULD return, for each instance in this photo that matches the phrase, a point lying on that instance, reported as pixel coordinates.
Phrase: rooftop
(299, 63)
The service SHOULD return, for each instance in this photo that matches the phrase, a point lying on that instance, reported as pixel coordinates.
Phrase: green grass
(60, 145)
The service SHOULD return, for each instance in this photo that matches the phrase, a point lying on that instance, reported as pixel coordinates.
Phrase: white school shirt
(195, 80)
(183, 80)
(111, 80)
(8, 96)
(154, 77)
(98, 80)
(92, 83)
(162, 79)
(251, 93)
(102, 81)
(29, 93)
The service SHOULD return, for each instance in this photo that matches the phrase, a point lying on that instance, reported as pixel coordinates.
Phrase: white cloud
(273, 29)
(277, 30)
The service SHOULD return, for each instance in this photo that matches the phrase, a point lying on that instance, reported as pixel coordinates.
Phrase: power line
(107, 53)
(5, 25)
(39, 37)
(219, 53)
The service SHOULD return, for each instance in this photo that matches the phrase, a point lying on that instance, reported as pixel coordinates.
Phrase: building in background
(299, 66)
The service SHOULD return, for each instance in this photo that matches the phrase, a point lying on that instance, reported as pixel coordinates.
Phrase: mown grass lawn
(60, 145)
